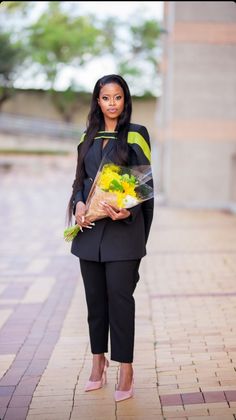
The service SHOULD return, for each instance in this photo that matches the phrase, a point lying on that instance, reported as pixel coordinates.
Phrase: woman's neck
(110, 125)
(110, 128)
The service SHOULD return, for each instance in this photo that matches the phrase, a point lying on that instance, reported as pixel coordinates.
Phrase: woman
(110, 250)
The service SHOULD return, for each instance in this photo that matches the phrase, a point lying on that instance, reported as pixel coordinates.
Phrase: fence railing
(18, 124)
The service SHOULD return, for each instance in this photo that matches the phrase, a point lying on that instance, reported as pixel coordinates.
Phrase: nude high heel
(93, 385)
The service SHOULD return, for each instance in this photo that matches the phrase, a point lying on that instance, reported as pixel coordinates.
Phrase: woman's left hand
(113, 213)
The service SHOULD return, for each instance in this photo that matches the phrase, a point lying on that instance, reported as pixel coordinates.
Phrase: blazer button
(91, 179)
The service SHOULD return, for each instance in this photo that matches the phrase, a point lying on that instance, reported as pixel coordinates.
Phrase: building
(196, 115)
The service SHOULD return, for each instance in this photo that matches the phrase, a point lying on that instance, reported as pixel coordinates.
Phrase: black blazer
(123, 239)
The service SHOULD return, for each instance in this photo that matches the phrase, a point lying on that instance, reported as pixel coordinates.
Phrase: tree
(68, 102)
(137, 58)
(12, 55)
(12, 51)
(57, 40)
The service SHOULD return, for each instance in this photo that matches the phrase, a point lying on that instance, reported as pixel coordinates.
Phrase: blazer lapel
(108, 148)
(97, 150)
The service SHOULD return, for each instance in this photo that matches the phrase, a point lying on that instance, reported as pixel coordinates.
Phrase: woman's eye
(118, 98)
(105, 98)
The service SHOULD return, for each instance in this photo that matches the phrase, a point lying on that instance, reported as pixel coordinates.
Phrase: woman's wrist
(80, 204)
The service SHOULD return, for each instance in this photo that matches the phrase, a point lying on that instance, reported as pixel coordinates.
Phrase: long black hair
(95, 123)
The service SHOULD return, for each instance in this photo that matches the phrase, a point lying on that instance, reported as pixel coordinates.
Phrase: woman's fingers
(107, 209)
(83, 223)
(113, 213)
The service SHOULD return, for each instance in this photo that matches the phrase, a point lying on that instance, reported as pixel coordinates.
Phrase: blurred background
(179, 59)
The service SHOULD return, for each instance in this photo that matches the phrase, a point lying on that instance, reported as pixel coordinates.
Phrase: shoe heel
(104, 375)
(106, 365)
(93, 385)
(104, 378)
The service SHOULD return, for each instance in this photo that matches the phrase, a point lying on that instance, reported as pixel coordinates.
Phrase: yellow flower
(111, 167)
(129, 188)
(120, 198)
(110, 180)
(107, 175)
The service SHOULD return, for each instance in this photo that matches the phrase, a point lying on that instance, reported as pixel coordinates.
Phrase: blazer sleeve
(78, 197)
(148, 205)
(79, 194)
(148, 208)
(143, 155)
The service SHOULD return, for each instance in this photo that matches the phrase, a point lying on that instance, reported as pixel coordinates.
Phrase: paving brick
(226, 417)
(173, 399)
(4, 400)
(141, 417)
(193, 410)
(20, 401)
(174, 411)
(221, 411)
(3, 409)
(27, 385)
(192, 398)
(16, 413)
(214, 396)
(230, 395)
(6, 390)
(185, 298)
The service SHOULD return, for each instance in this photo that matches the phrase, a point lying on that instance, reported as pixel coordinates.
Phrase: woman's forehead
(111, 88)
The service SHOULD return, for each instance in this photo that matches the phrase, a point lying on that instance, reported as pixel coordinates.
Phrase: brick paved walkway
(185, 354)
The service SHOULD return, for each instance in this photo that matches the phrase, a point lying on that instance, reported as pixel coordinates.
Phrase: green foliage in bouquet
(71, 232)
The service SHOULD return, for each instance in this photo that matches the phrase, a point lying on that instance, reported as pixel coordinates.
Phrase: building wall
(197, 111)
(37, 104)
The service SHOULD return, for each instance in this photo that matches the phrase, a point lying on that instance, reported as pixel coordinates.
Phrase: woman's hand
(113, 213)
(80, 216)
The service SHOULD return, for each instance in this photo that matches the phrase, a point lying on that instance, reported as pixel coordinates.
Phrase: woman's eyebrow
(108, 94)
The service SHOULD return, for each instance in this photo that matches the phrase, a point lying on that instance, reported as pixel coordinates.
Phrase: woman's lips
(112, 110)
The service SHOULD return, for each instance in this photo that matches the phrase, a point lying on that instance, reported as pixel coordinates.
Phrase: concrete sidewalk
(185, 352)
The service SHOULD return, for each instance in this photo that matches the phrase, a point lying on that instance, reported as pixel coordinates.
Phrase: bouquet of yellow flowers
(119, 186)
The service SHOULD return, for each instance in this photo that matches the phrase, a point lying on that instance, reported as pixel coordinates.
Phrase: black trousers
(109, 288)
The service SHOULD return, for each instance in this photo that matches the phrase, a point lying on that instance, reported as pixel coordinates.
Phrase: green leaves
(145, 36)
(11, 54)
(116, 186)
(57, 39)
(61, 38)
(71, 232)
(138, 63)
(130, 179)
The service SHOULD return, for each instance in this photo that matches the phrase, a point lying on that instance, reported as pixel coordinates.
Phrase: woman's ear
(98, 101)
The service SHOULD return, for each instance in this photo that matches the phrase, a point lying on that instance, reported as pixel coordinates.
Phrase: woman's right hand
(80, 216)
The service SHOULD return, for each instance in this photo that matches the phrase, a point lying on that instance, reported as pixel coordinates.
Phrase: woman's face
(111, 100)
